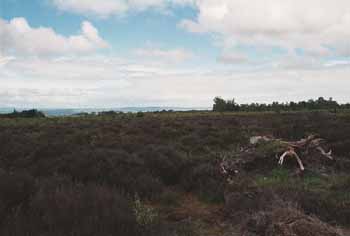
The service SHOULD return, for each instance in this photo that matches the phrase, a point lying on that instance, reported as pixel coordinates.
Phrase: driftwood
(304, 146)
(289, 149)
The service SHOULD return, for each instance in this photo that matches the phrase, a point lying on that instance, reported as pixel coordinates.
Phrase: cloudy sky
(118, 53)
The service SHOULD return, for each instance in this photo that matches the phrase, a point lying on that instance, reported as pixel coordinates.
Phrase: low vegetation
(24, 114)
(159, 174)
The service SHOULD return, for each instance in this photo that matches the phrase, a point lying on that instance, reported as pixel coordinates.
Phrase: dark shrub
(96, 165)
(333, 207)
(243, 196)
(74, 210)
(170, 198)
(165, 162)
(15, 189)
(286, 221)
(205, 179)
(140, 114)
(116, 168)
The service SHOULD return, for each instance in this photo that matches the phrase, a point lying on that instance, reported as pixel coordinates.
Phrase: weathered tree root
(302, 146)
(293, 149)
(291, 153)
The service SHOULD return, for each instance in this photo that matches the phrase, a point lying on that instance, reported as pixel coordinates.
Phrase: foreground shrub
(73, 210)
(205, 179)
(146, 216)
(165, 163)
(170, 198)
(115, 168)
(286, 221)
(244, 197)
(15, 190)
(332, 206)
(326, 197)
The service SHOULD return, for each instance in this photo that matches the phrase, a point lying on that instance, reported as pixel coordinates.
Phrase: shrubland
(158, 174)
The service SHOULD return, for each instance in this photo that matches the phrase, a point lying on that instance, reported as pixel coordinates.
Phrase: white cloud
(170, 55)
(5, 59)
(104, 81)
(102, 8)
(106, 8)
(19, 38)
(337, 63)
(320, 27)
(233, 58)
(71, 78)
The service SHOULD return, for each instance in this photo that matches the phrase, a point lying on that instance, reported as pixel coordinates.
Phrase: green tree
(219, 104)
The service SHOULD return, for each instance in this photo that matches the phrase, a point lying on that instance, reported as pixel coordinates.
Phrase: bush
(165, 163)
(140, 114)
(170, 198)
(74, 210)
(16, 190)
(243, 197)
(286, 221)
(146, 216)
(205, 179)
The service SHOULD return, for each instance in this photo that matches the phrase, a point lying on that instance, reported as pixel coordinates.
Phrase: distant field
(159, 174)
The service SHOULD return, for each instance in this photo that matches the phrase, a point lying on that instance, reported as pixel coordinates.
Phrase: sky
(122, 53)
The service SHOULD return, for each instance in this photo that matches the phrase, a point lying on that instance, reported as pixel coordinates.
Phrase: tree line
(33, 113)
(222, 105)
